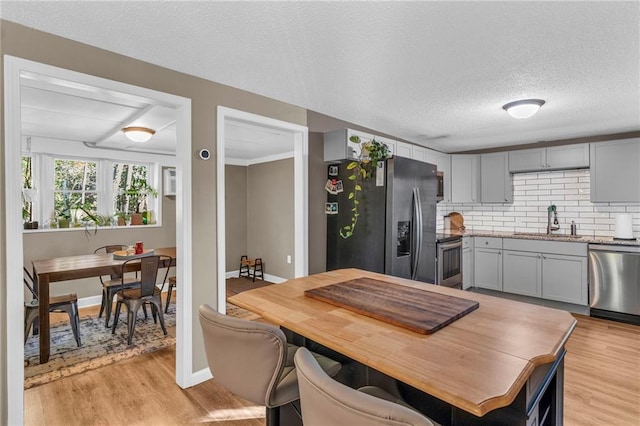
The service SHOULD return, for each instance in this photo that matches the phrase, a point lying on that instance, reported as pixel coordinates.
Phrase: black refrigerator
(396, 229)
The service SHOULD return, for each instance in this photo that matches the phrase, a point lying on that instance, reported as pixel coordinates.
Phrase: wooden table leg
(43, 310)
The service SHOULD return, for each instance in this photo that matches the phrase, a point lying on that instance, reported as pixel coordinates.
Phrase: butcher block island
(499, 363)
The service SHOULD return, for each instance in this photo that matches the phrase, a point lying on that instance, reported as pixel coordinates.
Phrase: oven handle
(450, 244)
(417, 209)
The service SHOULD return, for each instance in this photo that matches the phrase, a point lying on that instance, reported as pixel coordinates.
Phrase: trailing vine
(371, 153)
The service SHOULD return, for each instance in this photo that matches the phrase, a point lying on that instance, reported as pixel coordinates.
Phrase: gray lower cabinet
(487, 271)
(564, 278)
(467, 262)
(522, 273)
(551, 270)
(487, 263)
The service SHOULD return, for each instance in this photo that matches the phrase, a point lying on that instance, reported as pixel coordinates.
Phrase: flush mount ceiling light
(524, 108)
(138, 134)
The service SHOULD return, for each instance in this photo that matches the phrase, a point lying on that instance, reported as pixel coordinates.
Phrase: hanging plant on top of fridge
(371, 153)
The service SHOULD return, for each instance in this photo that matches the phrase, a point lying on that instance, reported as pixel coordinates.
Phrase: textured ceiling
(435, 73)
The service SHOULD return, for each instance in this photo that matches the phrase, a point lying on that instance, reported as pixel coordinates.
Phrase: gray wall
(206, 96)
(270, 223)
(235, 215)
(317, 198)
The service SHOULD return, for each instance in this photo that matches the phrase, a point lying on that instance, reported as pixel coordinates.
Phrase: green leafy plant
(28, 193)
(371, 153)
(138, 192)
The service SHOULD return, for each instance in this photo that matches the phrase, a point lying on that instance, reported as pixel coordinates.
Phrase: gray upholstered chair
(111, 284)
(64, 303)
(146, 294)
(325, 401)
(254, 361)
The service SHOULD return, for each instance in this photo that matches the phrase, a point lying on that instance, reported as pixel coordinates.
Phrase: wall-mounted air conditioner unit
(170, 182)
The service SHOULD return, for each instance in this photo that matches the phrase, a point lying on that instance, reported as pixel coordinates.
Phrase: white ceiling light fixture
(138, 134)
(524, 108)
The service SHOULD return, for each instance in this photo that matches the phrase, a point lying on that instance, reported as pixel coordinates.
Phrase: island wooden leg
(43, 310)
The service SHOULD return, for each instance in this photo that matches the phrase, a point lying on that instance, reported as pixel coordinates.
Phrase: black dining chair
(65, 303)
(111, 283)
(147, 293)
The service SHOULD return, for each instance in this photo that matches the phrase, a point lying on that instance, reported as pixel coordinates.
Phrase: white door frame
(300, 190)
(13, 224)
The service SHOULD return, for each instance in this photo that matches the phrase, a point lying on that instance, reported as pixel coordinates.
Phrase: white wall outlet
(289, 259)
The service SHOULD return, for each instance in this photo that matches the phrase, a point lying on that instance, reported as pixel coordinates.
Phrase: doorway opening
(17, 70)
(293, 142)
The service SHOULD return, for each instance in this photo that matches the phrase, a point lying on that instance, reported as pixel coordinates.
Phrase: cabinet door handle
(486, 242)
(500, 253)
(539, 256)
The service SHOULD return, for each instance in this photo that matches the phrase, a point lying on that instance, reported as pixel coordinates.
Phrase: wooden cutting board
(415, 309)
(456, 221)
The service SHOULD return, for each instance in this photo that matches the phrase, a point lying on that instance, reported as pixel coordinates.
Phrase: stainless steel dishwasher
(614, 282)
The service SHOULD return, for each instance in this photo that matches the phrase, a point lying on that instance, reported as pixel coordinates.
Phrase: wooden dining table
(501, 356)
(47, 271)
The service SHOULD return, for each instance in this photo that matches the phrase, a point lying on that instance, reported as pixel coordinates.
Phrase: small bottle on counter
(574, 228)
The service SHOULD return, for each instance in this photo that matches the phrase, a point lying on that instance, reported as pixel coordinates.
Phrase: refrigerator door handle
(417, 225)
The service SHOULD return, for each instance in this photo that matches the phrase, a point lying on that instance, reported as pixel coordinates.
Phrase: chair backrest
(110, 249)
(246, 357)
(325, 401)
(149, 267)
(29, 282)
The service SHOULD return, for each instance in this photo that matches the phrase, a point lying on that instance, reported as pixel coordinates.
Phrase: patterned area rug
(99, 346)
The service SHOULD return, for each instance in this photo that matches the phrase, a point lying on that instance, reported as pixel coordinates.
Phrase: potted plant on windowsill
(29, 195)
(138, 193)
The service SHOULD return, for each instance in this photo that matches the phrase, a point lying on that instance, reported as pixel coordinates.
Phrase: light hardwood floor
(602, 387)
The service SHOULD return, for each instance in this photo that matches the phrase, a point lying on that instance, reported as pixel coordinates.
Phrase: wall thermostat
(204, 154)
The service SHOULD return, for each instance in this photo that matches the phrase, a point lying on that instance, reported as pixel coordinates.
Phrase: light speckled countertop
(542, 237)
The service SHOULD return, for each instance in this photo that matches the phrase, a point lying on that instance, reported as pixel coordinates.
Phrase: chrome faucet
(556, 225)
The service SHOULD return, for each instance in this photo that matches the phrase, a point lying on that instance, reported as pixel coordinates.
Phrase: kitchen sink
(543, 235)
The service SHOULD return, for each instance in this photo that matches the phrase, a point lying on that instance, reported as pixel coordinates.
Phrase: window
(83, 190)
(125, 177)
(75, 189)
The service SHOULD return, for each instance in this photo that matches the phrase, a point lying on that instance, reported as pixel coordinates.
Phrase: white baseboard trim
(97, 300)
(89, 301)
(270, 278)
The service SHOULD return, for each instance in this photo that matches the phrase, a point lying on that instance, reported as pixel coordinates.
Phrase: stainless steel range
(614, 282)
(449, 261)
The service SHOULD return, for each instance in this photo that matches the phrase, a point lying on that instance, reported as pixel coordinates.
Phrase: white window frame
(43, 180)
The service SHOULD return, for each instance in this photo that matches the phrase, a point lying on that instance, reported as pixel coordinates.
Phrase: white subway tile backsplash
(554, 186)
(532, 194)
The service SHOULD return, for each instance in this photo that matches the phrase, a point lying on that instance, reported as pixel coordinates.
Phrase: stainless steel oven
(449, 261)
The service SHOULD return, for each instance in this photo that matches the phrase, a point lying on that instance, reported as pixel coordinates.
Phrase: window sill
(91, 229)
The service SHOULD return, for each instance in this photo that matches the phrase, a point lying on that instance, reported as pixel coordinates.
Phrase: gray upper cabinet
(615, 175)
(527, 160)
(551, 158)
(465, 178)
(495, 181)
(568, 157)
